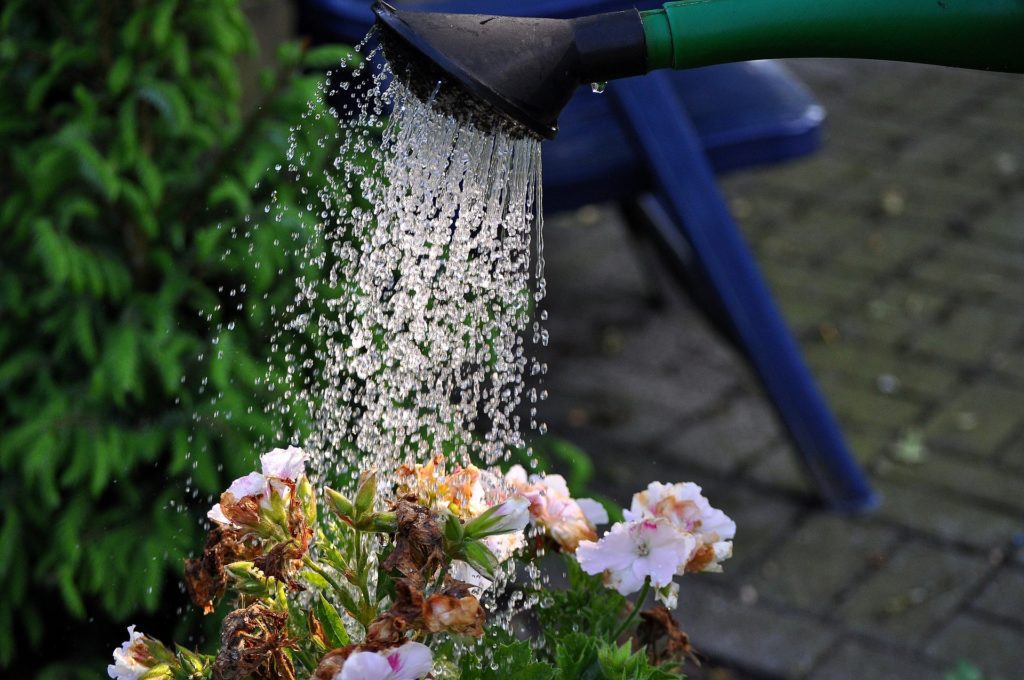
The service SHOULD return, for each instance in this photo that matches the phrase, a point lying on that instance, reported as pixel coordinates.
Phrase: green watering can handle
(981, 34)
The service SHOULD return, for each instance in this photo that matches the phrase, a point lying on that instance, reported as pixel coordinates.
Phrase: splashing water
(407, 336)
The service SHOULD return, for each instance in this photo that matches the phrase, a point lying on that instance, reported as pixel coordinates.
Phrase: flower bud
(480, 558)
(193, 664)
(306, 496)
(453, 532)
(339, 503)
(512, 515)
(248, 579)
(159, 672)
(366, 491)
(383, 522)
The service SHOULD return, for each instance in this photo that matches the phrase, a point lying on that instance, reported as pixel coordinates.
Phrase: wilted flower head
(205, 577)
(456, 610)
(567, 520)
(419, 545)
(239, 505)
(688, 510)
(631, 552)
(411, 661)
(466, 491)
(133, 659)
(252, 641)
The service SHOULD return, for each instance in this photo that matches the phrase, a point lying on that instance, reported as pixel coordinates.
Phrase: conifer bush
(127, 160)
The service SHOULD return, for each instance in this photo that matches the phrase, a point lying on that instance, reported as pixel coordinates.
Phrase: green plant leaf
(334, 628)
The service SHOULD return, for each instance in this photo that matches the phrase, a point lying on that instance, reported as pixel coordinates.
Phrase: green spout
(981, 34)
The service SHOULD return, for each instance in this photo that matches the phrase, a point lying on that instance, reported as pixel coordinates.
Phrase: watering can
(527, 69)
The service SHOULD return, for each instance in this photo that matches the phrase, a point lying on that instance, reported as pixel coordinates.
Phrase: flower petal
(410, 661)
(615, 551)
(593, 511)
(287, 463)
(252, 484)
(365, 666)
(216, 513)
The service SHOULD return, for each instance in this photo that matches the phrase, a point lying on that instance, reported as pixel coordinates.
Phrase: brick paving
(897, 255)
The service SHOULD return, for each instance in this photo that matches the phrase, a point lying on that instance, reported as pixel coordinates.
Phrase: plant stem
(440, 578)
(360, 572)
(636, 609)
(308, 561)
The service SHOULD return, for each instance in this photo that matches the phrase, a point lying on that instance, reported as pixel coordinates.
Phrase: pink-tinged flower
(633, 551)
(133, 659)
(288, 464)
(281, 468)
(567, 520)
(408, 662)
(686, 508)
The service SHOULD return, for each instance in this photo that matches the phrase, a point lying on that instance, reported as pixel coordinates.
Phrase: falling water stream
(413, 328)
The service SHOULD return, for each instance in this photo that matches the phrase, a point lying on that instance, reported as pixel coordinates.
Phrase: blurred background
(133, 135)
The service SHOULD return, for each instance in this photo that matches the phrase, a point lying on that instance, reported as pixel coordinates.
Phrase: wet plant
(438, 575)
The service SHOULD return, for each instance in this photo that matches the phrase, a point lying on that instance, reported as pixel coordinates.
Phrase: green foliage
(579, 625)
(127, 163)
(586, 606)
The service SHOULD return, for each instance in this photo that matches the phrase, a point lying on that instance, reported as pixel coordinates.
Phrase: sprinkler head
(524, 69)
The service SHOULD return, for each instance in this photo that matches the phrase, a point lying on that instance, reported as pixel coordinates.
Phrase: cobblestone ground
(897, 255)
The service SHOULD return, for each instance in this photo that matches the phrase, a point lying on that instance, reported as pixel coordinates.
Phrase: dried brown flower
(332, 663)
(455, 610)
(389, 628)
(656, 624)
(244, 511)
(252, 643)
(279, 562)
(418, 551)
(204, 575)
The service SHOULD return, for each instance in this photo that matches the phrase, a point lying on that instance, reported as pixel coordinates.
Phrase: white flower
(633, 551)
(132, 660)
(287, 464)
(278, 466)
(567, 520)
(685, 507)
(408, 662)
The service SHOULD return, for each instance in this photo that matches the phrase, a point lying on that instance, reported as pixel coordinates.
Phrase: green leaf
(150, 178)
(334, 628)
(160, 28)
(505, 657)
(95, 169)
(169, 102)
(576, 657)
(119, 75)
(69, 591)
